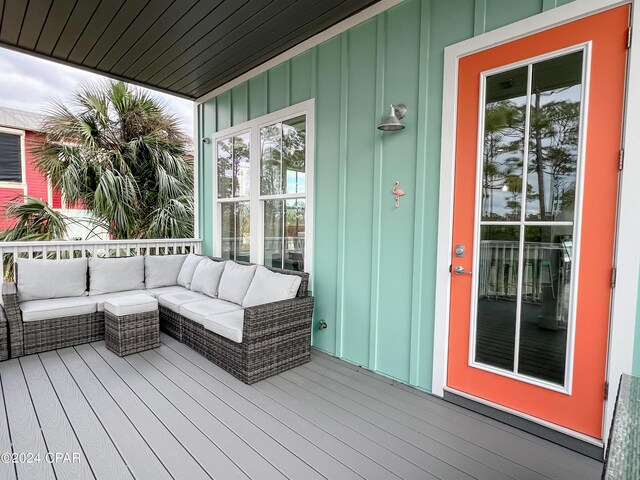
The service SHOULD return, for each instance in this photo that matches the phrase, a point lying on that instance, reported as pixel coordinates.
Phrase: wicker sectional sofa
(251, 320)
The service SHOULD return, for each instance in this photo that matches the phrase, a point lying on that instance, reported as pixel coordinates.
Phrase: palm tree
(35, 221)
(118, 153)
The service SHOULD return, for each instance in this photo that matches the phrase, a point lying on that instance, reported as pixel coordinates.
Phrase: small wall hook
(398, 192)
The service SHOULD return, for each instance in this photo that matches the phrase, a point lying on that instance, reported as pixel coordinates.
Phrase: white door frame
(627, 256)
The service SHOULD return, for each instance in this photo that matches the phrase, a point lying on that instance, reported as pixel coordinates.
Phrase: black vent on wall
(10, 158)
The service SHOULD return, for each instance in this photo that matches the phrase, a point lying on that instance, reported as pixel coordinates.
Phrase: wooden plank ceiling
(184, 47)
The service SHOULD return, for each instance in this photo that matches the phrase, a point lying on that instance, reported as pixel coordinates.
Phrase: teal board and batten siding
(373, 264)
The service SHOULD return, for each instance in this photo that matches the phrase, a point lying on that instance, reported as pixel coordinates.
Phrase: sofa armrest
(270, 318)
(14, 319)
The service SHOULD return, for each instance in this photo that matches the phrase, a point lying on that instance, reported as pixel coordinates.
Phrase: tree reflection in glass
(503, 152)
(283, 157)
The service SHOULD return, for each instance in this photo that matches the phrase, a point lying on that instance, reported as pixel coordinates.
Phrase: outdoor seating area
(251, 320)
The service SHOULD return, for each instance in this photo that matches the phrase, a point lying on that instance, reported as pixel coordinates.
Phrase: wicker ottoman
(132, 324)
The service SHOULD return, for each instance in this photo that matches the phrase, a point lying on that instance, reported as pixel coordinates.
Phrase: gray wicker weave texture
(171, 323)
(127, 334)
(623, 453)
(4, 335)
(62, 332)
(275, 338)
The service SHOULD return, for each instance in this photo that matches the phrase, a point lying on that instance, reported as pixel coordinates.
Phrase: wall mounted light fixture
(392, 122)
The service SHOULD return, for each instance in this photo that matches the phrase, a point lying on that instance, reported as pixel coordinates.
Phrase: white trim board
(317, 39)
(624, 302)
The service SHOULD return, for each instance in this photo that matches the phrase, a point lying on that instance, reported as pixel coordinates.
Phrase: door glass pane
(503, 152)
(283, 157)
(546, 287)
(273, 233)
(235, 223)
(233, 166)
(553, 138)
(497, 294)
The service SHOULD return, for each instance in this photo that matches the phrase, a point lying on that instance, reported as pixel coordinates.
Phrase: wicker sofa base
(134, 333)
(43, 335)
(170, 323)
(4, 336)
(252, 360)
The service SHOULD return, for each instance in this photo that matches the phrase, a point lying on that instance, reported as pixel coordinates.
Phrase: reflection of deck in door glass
(532, 122)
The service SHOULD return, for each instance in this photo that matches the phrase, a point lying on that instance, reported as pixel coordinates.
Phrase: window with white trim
(263, 189)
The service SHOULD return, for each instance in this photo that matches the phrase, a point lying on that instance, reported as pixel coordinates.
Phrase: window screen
(10, 158)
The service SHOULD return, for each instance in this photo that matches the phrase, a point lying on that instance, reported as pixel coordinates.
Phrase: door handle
(459, 270)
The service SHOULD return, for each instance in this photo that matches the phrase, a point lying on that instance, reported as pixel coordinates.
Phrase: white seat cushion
(162, 270)
(35, 310)
(268, 286)
(100, 299)
(198, 311)
(235, 281)
(41, 279)
(173, 301)
(228, 325)
(206, 278)
(108, 275)
(156, 292)
(188, 269)
(131, 304)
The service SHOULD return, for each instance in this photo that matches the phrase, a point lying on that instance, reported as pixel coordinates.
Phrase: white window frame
(23, 159)
(256, 199)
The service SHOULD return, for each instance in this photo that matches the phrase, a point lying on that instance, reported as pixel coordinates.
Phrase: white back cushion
(206, 278)
(162, 270)
(235, 281)
(268, 286)
(188, 269)
(115, 274)
(41, 279)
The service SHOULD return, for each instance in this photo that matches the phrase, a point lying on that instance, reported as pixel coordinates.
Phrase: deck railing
(61, 249)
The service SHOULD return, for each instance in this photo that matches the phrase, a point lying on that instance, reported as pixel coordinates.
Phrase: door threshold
(587, 446)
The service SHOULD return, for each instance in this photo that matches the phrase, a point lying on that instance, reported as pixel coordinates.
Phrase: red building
(18, 176)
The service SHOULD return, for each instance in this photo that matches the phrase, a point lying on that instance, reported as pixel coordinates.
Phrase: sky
(28, 83)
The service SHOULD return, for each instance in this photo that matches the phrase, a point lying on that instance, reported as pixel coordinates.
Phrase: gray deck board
(169, 413)
(140, 410)
(324, 453)
(7, 470)
(133, 447)
(242, 440)
(100, 451)
(422, 445)
(56, 429)
(26, 436)
(547, 459)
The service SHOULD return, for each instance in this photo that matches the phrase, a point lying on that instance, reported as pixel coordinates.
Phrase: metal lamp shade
(391, 122)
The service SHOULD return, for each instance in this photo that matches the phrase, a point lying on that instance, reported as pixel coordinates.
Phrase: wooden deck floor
(169, 413)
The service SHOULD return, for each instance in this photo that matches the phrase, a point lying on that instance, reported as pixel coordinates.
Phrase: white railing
(545, 265)
(99, 248)
(64, 249)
